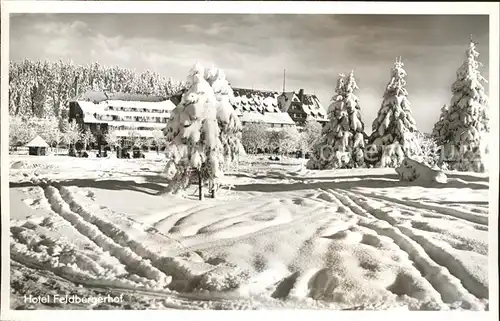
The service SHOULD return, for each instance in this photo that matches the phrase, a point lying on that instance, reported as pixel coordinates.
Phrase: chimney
(301, 95)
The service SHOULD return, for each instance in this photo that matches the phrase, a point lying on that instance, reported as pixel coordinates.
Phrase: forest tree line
(43, 89)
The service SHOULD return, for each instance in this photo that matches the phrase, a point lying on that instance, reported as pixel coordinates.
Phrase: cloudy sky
(255, 49)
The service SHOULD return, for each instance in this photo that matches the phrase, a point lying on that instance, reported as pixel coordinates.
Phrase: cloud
(254, 49)
(214, 29)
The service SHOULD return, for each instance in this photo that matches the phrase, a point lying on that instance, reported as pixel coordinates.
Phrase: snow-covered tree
(274, 138)
(133, 137)
(58, 137)
(254, 137)
(465, 143)
(47, 128)
(112, 139)
(44, 88)
(427, 150)
(440, 129)
(393, 135)
(343, 140)
(193, 136)
(72, 134)
(158, 139)
(288, 141)
(228, 121)
(87, 138)
(20, 131)
(311, 132)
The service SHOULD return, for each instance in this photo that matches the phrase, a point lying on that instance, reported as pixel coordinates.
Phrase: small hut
(37, 147)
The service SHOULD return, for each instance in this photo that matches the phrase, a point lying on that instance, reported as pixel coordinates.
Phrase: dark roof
(308, 99)
(249, 92)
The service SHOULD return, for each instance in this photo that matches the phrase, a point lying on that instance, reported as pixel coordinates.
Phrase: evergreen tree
(193, 136)
(394, 129)
(440, 129)
(228, 121)
(465, 147)
(342, 143)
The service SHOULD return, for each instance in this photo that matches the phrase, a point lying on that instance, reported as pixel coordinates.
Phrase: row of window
(146, 110)
(142, 119)
(111, 128)
(272, 125)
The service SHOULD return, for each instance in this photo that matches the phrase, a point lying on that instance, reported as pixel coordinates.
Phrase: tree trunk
(212, 185)
(200, 186)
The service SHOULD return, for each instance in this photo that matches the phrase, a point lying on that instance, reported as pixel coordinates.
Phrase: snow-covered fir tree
(44, 88)
(465, 147)
(192, 134)
(394, 129)
(228, 121)
(343, 139)
(440, 129)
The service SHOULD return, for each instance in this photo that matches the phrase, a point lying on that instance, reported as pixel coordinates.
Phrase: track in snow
(145, 272)
(439, 267)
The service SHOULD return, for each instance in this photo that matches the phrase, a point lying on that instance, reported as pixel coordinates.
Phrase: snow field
(311, 244)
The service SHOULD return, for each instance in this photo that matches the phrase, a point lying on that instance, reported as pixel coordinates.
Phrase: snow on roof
(135, 97)
(91, 109)
(310, 105)
(37, 142)
(99, 96)
(268, 118)
(135, 124)
(91, 95)
(163, 105)
(255, 100)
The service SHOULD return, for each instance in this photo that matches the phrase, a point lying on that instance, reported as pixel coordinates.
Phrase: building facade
(301, 107)
(125, 115)
(260, 106)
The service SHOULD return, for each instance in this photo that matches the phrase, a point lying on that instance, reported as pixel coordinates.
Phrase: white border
(491, 9)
